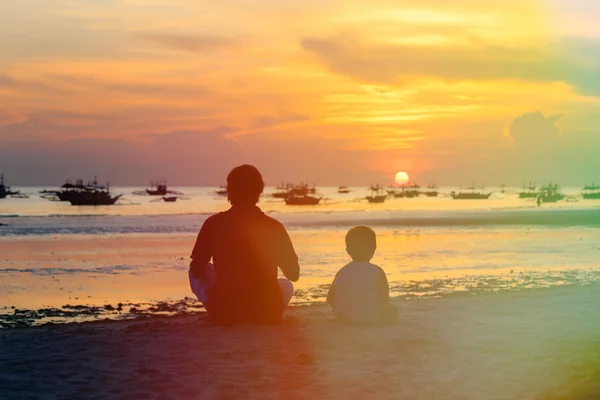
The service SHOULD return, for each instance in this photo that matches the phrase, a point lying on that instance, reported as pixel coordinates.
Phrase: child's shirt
(359, 291)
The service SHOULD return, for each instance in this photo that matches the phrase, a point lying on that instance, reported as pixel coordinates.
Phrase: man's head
(361, 243)
(244, 185)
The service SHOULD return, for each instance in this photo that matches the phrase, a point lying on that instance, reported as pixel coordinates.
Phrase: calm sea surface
(54, 255)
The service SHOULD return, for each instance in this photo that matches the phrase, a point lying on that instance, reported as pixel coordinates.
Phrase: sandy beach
(529, 344)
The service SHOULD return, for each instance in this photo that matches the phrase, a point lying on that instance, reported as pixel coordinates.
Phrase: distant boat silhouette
(377, 194)
(80, 194)
(343, 190)
(305, 200)
(431, 191)
(6, 192)
(529, 192)
(295, 190)
(222, 191)
(550, 194)
(472, 195)
(93, 195)
(407, 191)
(591, 192)
(157, 188)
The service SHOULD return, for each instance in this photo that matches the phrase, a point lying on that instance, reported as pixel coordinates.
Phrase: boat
(407, 191)
(95, 198)
(302, 200)
(157, 188)
(472, 195)
(591, 192)
(412, 191)
(222, 191)
(343, 190)
(529, 192)
(93, 195)
(550, 194)
(6, 192)
(431, 191)
(295, 190)
(170, 199)
(80, 194)
(377, 194)
(69, 190)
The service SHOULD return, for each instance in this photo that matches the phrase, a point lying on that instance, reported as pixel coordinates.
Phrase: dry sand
(538, 344)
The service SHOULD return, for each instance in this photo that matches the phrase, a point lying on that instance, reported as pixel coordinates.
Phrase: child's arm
(383, 288)
(331, 293)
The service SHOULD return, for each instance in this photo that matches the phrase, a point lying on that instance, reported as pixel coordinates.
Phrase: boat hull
(471, 196)
(302, 201)
(92, 200)
(156, 192)
(591, 196)
(552, 198)
(528, 195)
(376, 199)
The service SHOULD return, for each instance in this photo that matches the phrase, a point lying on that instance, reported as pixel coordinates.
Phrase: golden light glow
(417, 80)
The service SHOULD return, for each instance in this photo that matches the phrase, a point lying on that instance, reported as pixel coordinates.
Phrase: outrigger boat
(343, 190)
(170, 199)
(295, 190)
(377, 194)
(591, 192)
(222, 191)
(157, 188)
(302, 200)
(79, 194)
(472, 195)
(407, 191)
(431, 191)
(550, 194)
(6, 192)
(529, 192)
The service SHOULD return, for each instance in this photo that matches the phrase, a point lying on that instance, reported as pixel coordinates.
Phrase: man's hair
(361, 242)
(244, 185)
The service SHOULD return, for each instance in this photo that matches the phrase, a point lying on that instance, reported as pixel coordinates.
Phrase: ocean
(60, 262)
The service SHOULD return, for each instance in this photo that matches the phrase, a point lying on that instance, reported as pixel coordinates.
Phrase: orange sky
(450, 91)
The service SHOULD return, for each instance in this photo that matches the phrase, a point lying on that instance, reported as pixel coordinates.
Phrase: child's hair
(361, 243)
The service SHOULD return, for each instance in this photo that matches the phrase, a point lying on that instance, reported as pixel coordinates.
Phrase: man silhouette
(246, 247)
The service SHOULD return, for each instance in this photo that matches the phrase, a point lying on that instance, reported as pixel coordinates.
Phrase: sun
(402, 178)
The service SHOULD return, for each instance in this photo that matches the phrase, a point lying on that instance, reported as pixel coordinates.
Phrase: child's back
(360, 291)
(357, 294)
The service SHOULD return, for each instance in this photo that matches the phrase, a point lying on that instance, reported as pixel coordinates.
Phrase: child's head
(361, 243)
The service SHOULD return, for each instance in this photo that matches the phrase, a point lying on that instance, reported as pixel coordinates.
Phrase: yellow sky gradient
(374, 87)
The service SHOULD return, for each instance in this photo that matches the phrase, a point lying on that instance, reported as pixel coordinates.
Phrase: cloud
(184, 157)
(193, 43)
(393, 63)
(534, 131)
(281, 117)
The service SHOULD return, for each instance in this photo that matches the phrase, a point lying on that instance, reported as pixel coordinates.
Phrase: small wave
(92, 224)
(111, 270)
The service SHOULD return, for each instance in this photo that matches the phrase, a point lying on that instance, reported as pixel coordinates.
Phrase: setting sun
(402, 178)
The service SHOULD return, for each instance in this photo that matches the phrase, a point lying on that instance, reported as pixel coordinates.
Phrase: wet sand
(530, 344)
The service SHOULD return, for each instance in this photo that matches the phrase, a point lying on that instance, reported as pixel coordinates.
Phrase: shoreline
(534, 344)
(189, 306)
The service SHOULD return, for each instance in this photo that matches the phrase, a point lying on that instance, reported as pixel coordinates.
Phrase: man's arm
(287, 258)
(202, 252)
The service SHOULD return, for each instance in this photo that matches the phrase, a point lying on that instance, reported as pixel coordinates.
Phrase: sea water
(55, 255)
